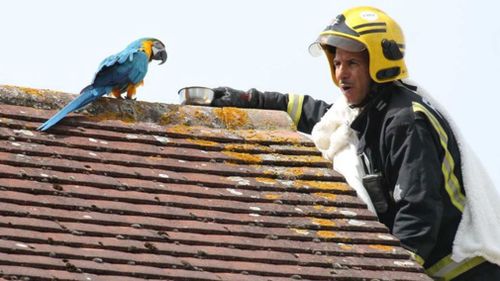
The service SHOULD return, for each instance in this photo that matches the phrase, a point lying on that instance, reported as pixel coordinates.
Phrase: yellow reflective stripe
(452, 185)
(416, 258)
(294, 108)
(433, 270)
(464, 267)
(446, 269)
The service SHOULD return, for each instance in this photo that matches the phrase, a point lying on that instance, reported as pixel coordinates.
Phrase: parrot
(124, 71)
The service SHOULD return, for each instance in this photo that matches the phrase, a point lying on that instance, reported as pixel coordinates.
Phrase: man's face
(352, 73)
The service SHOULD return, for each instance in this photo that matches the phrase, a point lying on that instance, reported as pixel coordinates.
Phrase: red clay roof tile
(137, 191)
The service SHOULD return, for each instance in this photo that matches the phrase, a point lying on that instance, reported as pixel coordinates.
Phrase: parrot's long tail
(87, 95)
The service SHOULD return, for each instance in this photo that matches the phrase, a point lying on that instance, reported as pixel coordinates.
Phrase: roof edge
(160, 113)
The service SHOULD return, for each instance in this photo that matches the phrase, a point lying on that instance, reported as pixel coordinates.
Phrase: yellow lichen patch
(302, 158)
(295, 172)
(325, 209)
(327, 185)
(345, 247)
(268, 136)
(272, 196)
(323, 222)
(172, 117)
(253, 135)
(232, 117)
(266, 180)
(383, 248)
(326, 234)
(300, 231)
(269, 172)
(31, 91)
(111, 116)
(156, 158)
(232, 164)
(249, 158)
(203, 142)
(301, 147)
(180, 129)
(202, 115)
(246, 146)
(327, 196)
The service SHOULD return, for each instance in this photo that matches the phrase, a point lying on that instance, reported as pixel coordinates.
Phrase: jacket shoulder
(400, 106)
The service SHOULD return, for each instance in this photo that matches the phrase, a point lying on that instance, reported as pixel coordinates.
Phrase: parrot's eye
(158, 45)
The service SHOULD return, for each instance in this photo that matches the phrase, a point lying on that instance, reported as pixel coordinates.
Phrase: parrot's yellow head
(154, 49)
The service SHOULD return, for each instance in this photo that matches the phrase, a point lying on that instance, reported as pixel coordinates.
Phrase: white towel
(479, 228)
(337, 142)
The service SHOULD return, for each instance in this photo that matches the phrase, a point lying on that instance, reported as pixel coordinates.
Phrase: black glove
(225, 96)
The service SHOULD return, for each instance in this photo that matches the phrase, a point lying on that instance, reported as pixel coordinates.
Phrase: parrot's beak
(159, 52)
(162, 55)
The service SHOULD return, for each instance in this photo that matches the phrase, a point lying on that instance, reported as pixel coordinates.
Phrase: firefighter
(411, 159)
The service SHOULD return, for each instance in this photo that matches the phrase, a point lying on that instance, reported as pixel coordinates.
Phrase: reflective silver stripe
(294, 108)
(452, 185)
(446, 269)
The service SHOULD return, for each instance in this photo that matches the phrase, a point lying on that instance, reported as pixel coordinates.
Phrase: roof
(128, 190)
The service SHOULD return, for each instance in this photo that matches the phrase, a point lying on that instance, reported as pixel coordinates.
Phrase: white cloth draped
(337, 142)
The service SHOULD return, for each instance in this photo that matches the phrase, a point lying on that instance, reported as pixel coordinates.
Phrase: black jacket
(415, 151)
(411, 146)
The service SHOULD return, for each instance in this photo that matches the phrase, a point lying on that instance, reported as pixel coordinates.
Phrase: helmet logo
(369, 16)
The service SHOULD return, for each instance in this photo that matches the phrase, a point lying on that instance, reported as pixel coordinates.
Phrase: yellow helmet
(368, 28)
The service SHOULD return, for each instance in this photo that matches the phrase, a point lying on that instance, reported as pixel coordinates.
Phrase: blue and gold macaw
(117, 74)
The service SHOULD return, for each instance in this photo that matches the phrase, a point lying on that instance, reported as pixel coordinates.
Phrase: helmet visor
(348, 44)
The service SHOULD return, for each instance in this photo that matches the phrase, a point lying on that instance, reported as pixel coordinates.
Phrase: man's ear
(330, 55)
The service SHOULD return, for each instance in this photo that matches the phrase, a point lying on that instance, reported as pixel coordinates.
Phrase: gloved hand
(225, 96)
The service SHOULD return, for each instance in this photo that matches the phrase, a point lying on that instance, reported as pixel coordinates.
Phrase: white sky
(452, 49)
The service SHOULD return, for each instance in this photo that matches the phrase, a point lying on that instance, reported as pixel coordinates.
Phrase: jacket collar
(377, 103)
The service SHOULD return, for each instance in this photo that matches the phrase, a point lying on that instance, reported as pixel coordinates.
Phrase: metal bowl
(196, 95)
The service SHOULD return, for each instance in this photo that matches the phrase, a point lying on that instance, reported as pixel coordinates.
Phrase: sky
(452, 50)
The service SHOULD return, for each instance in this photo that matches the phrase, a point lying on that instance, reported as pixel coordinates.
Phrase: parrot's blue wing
(121, 57)
(121, 74)
(139, 68)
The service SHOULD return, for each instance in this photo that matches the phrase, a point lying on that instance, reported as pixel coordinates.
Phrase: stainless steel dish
(196, 95)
